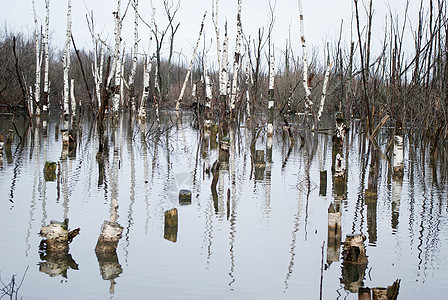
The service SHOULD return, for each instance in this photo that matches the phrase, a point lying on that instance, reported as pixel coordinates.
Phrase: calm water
(264, 242)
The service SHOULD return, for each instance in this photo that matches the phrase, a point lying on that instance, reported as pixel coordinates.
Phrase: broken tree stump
(111, 232)
(171, 225)
(109, 237)
(50, 171)
(354, 250)
(184, 197)
(171, 218)
(364, 294)
(57, 237)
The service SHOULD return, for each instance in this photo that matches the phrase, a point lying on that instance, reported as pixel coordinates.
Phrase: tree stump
(55, 236)
(109, 237)
(364, 294)
(184, 197)
(354, 251)
(171, 218)
(171, 225)
(50, 171)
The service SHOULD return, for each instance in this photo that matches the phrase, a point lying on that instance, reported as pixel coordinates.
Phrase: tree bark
(191, 64)
(66, 58)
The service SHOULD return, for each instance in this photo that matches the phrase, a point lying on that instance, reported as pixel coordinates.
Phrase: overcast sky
(322, 20)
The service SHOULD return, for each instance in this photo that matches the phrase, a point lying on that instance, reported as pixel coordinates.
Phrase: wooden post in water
(339, 168)
(57, 237)
(171, 225)
(184, 197)
(380, 293)
(355, 262)
(110, 233)
(50, 171)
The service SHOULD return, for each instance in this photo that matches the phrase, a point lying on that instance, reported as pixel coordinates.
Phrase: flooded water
(261, 234)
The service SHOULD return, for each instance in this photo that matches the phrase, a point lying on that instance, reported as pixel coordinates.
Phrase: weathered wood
(171, 219)
(170, 233)
(354, 250)
(184, 197)
(379, 293)
(57, 263)
(110, 267)
(56, 236)
(364, 294)
(50, 171)
(109, 237)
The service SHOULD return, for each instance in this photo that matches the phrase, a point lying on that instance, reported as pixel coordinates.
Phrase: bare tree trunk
(324, 92)
(72, 99)
(134, 60)
(236, 61)
(308, 101)
(37, 41)
(218, 44)
(113, 74)
(66, 58)
(46, 49)
(145, 93)
(208, 95)
(191, 64)
(271, 103)
(20, 78)
(247, 86)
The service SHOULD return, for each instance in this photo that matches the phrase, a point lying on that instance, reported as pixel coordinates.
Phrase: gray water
(267, 241)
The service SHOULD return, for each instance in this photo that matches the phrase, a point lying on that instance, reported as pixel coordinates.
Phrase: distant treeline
(410, 86)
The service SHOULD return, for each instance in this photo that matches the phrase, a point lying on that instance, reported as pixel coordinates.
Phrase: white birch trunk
(47, 56)
(208, 95)
(308, 101)
(38, 60)
(324, 92)
(191, 64)
(121, 77)
(66, 58)
(218, 44)
(236, 61)
(224, 71)
(156, 91)
(134, 59)
(113, 74)
(270, 131)
(72, 98)
(145, 93)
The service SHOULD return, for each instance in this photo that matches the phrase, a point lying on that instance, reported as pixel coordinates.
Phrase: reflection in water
(110, 268)
(57, 263)
(260, 201)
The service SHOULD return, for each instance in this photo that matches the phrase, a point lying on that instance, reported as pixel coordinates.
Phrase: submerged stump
(57, 237)
(171, 225)
(184, 197)
(50, 170)
(109, 237)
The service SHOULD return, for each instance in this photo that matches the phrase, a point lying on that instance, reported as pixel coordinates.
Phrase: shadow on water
(259, 211)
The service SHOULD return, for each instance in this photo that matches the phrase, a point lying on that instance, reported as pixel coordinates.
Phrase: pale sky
(322, 21)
